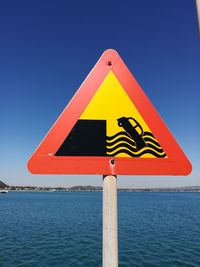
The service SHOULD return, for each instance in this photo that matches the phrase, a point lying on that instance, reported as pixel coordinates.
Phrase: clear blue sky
(47, 48)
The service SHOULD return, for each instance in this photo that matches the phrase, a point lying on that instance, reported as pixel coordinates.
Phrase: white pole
(198, 12)
(110, 229)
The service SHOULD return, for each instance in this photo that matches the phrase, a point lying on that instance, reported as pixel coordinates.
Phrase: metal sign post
(198, 12)
(110, 226)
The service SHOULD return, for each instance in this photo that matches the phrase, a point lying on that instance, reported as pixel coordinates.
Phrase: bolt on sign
(110, 127)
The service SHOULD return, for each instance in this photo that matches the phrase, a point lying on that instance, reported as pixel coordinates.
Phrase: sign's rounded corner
(30, 166)
(110, 51)
(189, 169)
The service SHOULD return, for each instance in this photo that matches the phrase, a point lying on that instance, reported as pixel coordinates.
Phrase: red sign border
(43, 160)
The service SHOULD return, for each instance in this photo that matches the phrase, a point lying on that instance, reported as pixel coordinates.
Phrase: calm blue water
(64, 229)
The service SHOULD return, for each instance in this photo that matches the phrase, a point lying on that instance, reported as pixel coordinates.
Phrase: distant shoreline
(166, 190)
(89, 188)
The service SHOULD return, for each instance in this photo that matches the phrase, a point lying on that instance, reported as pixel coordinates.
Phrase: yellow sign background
(110, 103)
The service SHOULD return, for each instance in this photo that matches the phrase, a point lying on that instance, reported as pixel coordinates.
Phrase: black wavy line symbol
(133, 141)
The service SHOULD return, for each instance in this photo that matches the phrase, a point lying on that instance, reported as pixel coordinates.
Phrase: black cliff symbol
(87, 138)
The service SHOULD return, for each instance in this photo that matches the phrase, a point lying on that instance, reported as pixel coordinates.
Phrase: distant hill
(2, 185)
(85, 188)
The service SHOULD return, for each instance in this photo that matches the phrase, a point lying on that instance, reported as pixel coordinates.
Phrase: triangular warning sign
(109, 127)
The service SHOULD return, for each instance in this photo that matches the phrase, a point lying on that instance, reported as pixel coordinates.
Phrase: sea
(65, 229)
